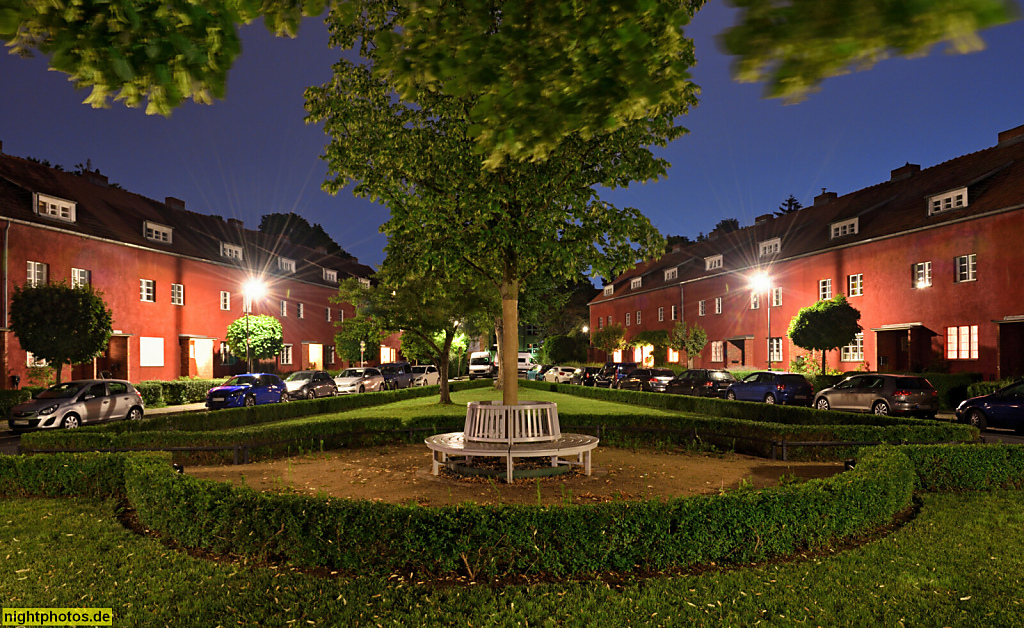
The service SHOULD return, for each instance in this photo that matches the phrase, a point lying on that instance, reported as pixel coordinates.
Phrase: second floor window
(327, 314)
(702, 307)
(755, 301)
(37, 274)
(674, 313)
(147, 290)
(824, 289)
(922, 274)
(177, 294)
(855, 285)
(661, 314)
(284, 310)
(80, 277)
(300, 311)
(718, 305)
(225, 300)
(966, 268)
(627, 319)
(638, 317)
(776, 297)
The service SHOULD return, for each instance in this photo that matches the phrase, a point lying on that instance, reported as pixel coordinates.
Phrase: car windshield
(61, 391)
(299, 376)
(480, 361)
(352, 373)
(241, 380)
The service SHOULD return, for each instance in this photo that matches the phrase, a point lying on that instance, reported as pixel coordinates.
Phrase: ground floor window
(962, 342)
(853, 352)
(718, 351)
(286, 353)
(775, 349)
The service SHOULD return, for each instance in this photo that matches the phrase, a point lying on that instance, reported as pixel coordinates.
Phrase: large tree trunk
(509, 341)
(443, 360)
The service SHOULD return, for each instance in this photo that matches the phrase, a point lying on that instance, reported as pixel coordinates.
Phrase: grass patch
(957, 564)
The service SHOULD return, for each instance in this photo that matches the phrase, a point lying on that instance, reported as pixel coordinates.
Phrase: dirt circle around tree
(401, 474)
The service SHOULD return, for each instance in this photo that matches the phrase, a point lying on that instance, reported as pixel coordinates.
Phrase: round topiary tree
(257, 337)
(826, 325)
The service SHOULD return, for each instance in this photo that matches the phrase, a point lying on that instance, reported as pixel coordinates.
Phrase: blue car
(249, 389)
(1003, 408)
(772, 387)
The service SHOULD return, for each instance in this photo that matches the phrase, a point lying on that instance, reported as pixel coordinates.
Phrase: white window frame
(609, 290)
(718, 305)
(284, 308)
(845, 228)
(702, 307)
(53, 207)
(327, 314)
(285, 264)
(661, 314)
(147, 290)
(157, 232)
(627, 319)
(331, 354)
(769, 247)
(718, 351)
(177, 294)
(675, 312)
(671, 273)
(364, 282)
(300, 311)
(777, 297)
(855, 285)
(962, 342)
(755, 301)
(32, 361)
(713, 262)
(636, 282)
(947, 201)
(330, 275)
(638, 317)
(600, 322)
(965, 268)
(853, 352)
(225, 300)
(36, 274)
(775, 349)
(286, 355)
(231, 251)
(80, 277)
(922, 274)
(824, 289)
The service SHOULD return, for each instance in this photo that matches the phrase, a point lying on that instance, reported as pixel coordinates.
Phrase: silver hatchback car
(79, 402)
(881, 394)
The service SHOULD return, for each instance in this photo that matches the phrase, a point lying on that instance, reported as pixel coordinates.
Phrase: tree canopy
(690, 341)
(298, 231)
(789, 206)
(609, 339)
(824, 326)
(60, 324)
(265, 337)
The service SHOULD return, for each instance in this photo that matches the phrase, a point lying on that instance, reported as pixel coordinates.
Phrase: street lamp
(253, 289)
(762, 282)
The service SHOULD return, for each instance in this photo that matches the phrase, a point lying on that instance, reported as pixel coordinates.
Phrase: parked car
(396, 375)
(772, 387)
(536, 373)
(584, 376)
(612, 372)
(1003, 408)
(649, 380)
(425, 375)
(248, 389)
(559, 374)
(310, 385)
(71, 404)
(701, 383)
(481, 365)
(357, 380)
(881, 394)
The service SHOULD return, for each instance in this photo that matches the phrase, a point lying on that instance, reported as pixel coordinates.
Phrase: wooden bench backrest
(527, 422)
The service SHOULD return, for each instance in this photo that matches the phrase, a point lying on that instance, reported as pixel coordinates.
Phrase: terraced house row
(173, 278)
(932, 258)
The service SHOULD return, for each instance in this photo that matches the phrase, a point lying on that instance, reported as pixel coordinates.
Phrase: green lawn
(957, 564)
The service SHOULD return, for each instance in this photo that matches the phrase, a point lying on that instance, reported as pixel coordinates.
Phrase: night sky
(251, 153)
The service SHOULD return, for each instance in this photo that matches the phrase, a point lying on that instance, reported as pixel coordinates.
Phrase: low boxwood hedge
(11, 398)
(967, 467)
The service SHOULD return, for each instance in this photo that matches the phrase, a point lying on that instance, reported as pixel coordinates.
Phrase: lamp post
(253, 289)
(762, 282)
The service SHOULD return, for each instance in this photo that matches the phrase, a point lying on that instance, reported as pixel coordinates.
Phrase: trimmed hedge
(967, 467)
(176, 392)
(11, 398)
(978, 389)
(69, 475)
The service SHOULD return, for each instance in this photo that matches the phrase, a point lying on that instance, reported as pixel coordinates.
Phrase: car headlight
(48, 410)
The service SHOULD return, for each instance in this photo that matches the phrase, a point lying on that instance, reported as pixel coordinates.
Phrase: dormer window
(713, 262)
(364, 282)
(285, 264)
(769, 247)
(845, 228)
(53, 207)
(609, 290)
(671, 273)
(330, 275)
(158, 233)
(954, 199)
(635, 283)
(232, 251)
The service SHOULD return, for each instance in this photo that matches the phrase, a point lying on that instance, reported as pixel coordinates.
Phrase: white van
(525, 362)
(481, 364)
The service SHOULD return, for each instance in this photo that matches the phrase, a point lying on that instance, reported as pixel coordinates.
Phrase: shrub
(71, 475)
(152, 393)
(980, 388)
(967, 467)
(11, 398)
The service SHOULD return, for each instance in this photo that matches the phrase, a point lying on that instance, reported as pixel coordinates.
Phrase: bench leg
(554, 461)
(510, 465)
(586, 463)
(435, 466)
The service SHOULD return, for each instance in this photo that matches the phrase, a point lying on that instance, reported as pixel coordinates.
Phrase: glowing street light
(251, 290)
(762, 282)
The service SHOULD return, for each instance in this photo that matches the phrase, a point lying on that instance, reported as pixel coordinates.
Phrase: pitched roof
(117, 215)
(993, 178)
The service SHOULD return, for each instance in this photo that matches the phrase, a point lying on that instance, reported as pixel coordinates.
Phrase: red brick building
(172, 278)
(932, 258)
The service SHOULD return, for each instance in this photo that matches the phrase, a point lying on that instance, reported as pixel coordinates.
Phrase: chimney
(824, 197)
(1, 147)
(1005, 138)
(96, 178)
(904, 172)
(677, 247)
(174, 203)
(236, 223)
(763, 218)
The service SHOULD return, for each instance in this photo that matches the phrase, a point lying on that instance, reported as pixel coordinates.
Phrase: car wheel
(977, 418)
(250, 401)
(362, 388)
(311, 394)
(731, 396)
(880, 407)
(71, 422)
(769, 399)
(821, 403)
(135, 414)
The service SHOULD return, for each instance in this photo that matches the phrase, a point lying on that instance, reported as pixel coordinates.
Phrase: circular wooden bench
(527, 430)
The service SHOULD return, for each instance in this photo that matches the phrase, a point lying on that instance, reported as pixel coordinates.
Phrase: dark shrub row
(967, 467)
(11, 398)
(977, 389)
(69, 475)
(176, 392)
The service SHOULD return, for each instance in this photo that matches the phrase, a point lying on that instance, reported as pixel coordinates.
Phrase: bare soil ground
(401, 474)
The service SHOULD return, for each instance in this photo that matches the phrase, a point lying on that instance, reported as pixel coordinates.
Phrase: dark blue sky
(252, 154)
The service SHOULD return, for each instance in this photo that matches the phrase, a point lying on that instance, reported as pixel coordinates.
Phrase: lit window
(52, 207)
(231, 251)
(671, 273)
(824, 289)
(636, 282)
(177, 294)
(717, 351)
(299, 310)
(966, 268)
(755, 301)
(855, 285)
(713, 262)
(922, 274)
(147, 290)
(661, 314)
(845, 228)
(609, 290)
(702, 307)
(776, 297)
(954, 199)
(675, 314)
(225, 300)
(285, 264)
(853, 352)
(80, 277)
(32, 361)
(286, 354)
(962, 342)
(158, 233)
(775, 349)
(284, 308)
(769, 247)
(37, 274)
(718, 305)
(330, 275)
